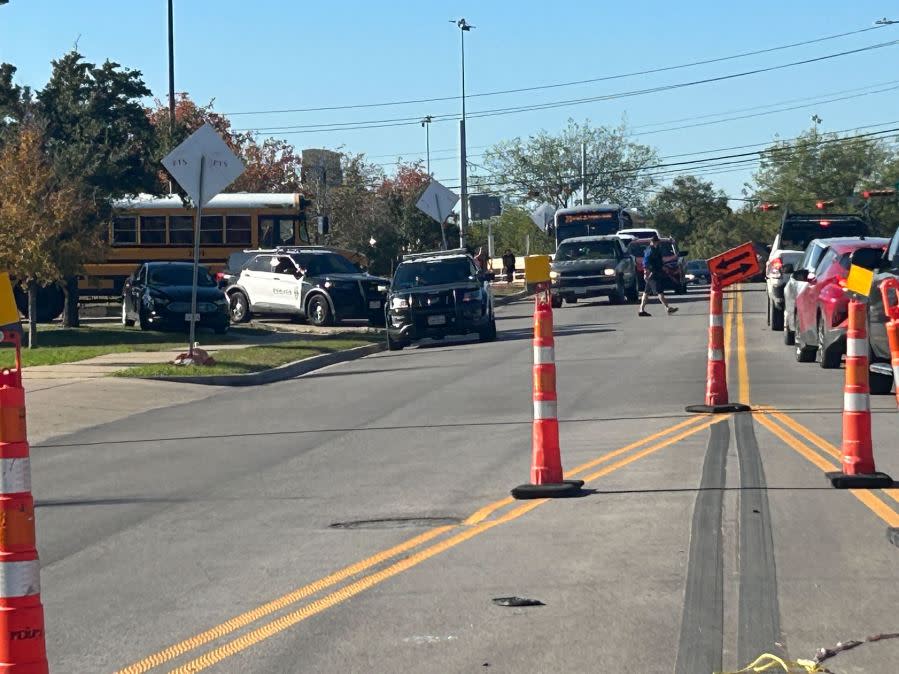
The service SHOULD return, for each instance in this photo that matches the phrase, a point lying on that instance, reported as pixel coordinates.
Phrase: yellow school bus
(148, 228)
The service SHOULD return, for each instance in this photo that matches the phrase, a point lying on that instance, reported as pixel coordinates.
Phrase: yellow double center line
(475, 525)
(801, 437)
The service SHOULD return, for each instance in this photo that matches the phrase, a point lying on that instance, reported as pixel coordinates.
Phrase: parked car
(817, 321)
(313, 283)
(438, 294)
(593, 266)
(797, 230)
(881, 379)
(697, 271)
(158, 295)
(675, 268)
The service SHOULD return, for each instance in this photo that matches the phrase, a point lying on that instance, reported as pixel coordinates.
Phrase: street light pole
(426, 123)
(171, 68)
(464, 27)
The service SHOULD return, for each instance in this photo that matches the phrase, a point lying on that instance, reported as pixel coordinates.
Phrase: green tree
(513, 230)
(821, 166)
(688, 203)
(40, 212)
(98, 133)
(547, 167)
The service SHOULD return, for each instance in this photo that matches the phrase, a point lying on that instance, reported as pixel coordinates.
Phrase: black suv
(438, 294)
(317, 284)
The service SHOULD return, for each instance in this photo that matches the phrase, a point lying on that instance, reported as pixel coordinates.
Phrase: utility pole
(583, 174)
(464, 27)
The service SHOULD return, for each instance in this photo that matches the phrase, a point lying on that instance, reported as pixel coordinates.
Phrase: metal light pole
(426, 123)
(464, 27)
(171, 68)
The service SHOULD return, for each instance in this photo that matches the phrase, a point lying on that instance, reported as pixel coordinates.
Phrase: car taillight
(219, 275)
(774, 267)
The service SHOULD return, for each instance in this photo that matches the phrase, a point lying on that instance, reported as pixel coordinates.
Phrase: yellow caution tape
(770, 663)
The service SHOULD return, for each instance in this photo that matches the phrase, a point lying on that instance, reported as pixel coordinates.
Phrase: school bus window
(276, 231)
(212, 230)
(124, 231)
(287, 231)
(152, 230)
(237, 229)
(181, 229)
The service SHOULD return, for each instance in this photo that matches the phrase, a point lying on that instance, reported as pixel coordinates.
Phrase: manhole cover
(396, 523)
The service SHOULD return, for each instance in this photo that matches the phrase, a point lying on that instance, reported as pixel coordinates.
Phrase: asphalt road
(357, 519)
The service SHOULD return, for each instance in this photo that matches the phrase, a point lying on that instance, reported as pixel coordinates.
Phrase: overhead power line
(407, 121)
(556, 85)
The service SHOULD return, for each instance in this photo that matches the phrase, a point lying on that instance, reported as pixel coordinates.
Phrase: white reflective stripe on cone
(15, 475)
(544, 355)
(545, 409)
(856, 402)
(20, 579)
(856, 346)
(896, 373)
(716, 320)
(716, 354)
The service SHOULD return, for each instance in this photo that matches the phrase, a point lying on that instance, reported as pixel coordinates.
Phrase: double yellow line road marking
(791, 432)
(478, 523)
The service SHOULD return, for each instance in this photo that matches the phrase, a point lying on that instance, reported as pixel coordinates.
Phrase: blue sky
(276, 54)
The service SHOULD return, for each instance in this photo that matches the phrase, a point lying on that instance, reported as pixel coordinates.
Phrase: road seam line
(288, 620)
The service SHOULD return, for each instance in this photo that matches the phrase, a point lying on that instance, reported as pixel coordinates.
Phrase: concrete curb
(280, 373)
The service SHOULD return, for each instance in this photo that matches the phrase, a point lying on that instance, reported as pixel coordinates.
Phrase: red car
(822, 304)
(675, 265)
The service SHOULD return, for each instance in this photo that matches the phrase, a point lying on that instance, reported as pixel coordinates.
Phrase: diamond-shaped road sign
(543, 216)
(221, 167)
(437, 201)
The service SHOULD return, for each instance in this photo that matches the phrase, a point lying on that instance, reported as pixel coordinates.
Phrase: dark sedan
(158, 295)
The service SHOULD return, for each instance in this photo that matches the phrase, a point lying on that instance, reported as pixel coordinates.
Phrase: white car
(639, 233)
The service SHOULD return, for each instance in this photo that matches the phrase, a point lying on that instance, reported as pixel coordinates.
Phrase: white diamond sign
(220, 166)
(437, 201)
(543, 216)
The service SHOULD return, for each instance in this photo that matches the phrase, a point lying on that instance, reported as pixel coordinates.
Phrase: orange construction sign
(735, 265)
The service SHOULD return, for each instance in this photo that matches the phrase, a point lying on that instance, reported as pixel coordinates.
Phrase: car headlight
(399, 303)
(609, 272)
(554, 274)
(690, 277)
(473, 296)
(155, 298)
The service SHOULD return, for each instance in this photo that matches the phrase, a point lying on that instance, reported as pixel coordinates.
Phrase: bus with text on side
(593, 220)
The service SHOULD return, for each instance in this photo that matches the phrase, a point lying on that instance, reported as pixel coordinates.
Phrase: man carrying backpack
(653, 273)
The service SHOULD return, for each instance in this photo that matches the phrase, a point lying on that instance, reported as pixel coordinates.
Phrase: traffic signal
(823, 205)
(888, 192)
(768, 206)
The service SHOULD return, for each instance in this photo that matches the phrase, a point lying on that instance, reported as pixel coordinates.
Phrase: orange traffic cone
(857, 453)
(716, 398)
(22, 647)
(546, 464)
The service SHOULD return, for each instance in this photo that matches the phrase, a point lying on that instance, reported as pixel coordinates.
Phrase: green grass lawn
(501, 289)
(67, 345)
(255, 358)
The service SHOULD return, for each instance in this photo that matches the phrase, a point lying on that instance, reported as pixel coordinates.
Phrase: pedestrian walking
(653, 271)
(509, 265)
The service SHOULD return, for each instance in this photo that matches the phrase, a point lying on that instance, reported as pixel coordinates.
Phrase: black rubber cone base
(563, 489)
(893, 536)
(718, 409)
(866, 481)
